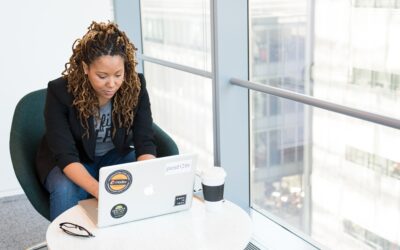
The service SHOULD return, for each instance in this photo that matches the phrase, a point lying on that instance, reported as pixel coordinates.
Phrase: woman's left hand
(146, 157)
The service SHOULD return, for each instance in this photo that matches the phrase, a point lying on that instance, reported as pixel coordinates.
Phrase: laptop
(142, 189)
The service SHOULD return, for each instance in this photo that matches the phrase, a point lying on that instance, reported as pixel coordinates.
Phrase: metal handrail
(315, 102)
(176, 66)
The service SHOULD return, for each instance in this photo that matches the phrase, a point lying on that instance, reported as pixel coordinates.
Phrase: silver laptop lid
(144, 189)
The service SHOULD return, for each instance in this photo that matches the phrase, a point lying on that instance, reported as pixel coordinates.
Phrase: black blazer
(63, 144)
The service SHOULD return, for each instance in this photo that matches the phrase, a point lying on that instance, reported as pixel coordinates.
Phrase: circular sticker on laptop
(118, 210)
(118, 181)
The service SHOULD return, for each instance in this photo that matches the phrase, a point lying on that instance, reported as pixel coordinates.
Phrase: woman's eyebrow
(116, 72)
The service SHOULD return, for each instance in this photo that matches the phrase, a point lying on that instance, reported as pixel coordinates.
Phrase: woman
(96, 114)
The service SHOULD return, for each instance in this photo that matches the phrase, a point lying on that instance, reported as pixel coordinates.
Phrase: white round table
(195, 228)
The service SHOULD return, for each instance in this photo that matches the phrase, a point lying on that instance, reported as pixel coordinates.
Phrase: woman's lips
(109, 93)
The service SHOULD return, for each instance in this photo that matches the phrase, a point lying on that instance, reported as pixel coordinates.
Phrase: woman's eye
(102, 77)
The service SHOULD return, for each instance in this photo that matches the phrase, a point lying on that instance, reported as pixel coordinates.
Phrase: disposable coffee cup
(212, 181)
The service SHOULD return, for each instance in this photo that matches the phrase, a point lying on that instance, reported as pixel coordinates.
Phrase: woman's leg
(64, 194)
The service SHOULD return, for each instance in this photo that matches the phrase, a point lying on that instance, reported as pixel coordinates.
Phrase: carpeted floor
(20, 225)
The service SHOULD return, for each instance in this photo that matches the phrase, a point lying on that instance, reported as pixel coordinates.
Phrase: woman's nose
(111, 82)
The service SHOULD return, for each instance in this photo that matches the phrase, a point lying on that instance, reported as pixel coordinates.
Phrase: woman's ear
(85, 68)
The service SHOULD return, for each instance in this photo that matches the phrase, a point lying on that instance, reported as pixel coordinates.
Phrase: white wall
(35, 42)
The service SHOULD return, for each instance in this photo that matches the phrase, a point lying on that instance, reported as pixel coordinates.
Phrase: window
(178, 33)
(370, 239)
(328, 178)
(182, 105)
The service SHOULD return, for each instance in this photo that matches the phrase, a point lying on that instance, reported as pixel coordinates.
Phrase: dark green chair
(27, 130)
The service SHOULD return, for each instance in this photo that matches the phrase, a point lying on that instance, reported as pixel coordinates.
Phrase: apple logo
(149, 190)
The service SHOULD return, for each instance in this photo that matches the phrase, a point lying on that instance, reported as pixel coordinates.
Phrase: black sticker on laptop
(180, 200)
(118, 181)
(118, 210)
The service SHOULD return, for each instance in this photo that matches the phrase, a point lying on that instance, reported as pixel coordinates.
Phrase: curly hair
(102, 39)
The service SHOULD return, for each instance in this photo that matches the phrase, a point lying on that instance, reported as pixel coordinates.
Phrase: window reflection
(277, 45)
(333, 177)
(285, 194)
(372, 240)
(379, 164)
(177, 31)
(182, 106)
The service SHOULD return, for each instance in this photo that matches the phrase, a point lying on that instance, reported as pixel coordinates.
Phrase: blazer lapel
(119, 138)
(90, 143)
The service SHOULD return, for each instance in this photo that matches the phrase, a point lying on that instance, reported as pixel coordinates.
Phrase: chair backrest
(28, 128)
(165, 145)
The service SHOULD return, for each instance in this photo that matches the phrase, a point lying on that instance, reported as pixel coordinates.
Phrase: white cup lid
(213, 173)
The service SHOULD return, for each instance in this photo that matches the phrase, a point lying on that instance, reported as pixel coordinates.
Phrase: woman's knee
(66, 188)
(59, 185)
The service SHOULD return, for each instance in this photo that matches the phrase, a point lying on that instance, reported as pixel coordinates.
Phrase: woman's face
(106, 75)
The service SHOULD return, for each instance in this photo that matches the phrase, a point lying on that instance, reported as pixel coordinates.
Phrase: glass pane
(385, 3)
(333, 177)
(364, 3)
(177, 31)
(277, 43)
(356, 54)
(182, 106)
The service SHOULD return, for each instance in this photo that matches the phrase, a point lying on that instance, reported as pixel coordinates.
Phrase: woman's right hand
(77, 173)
